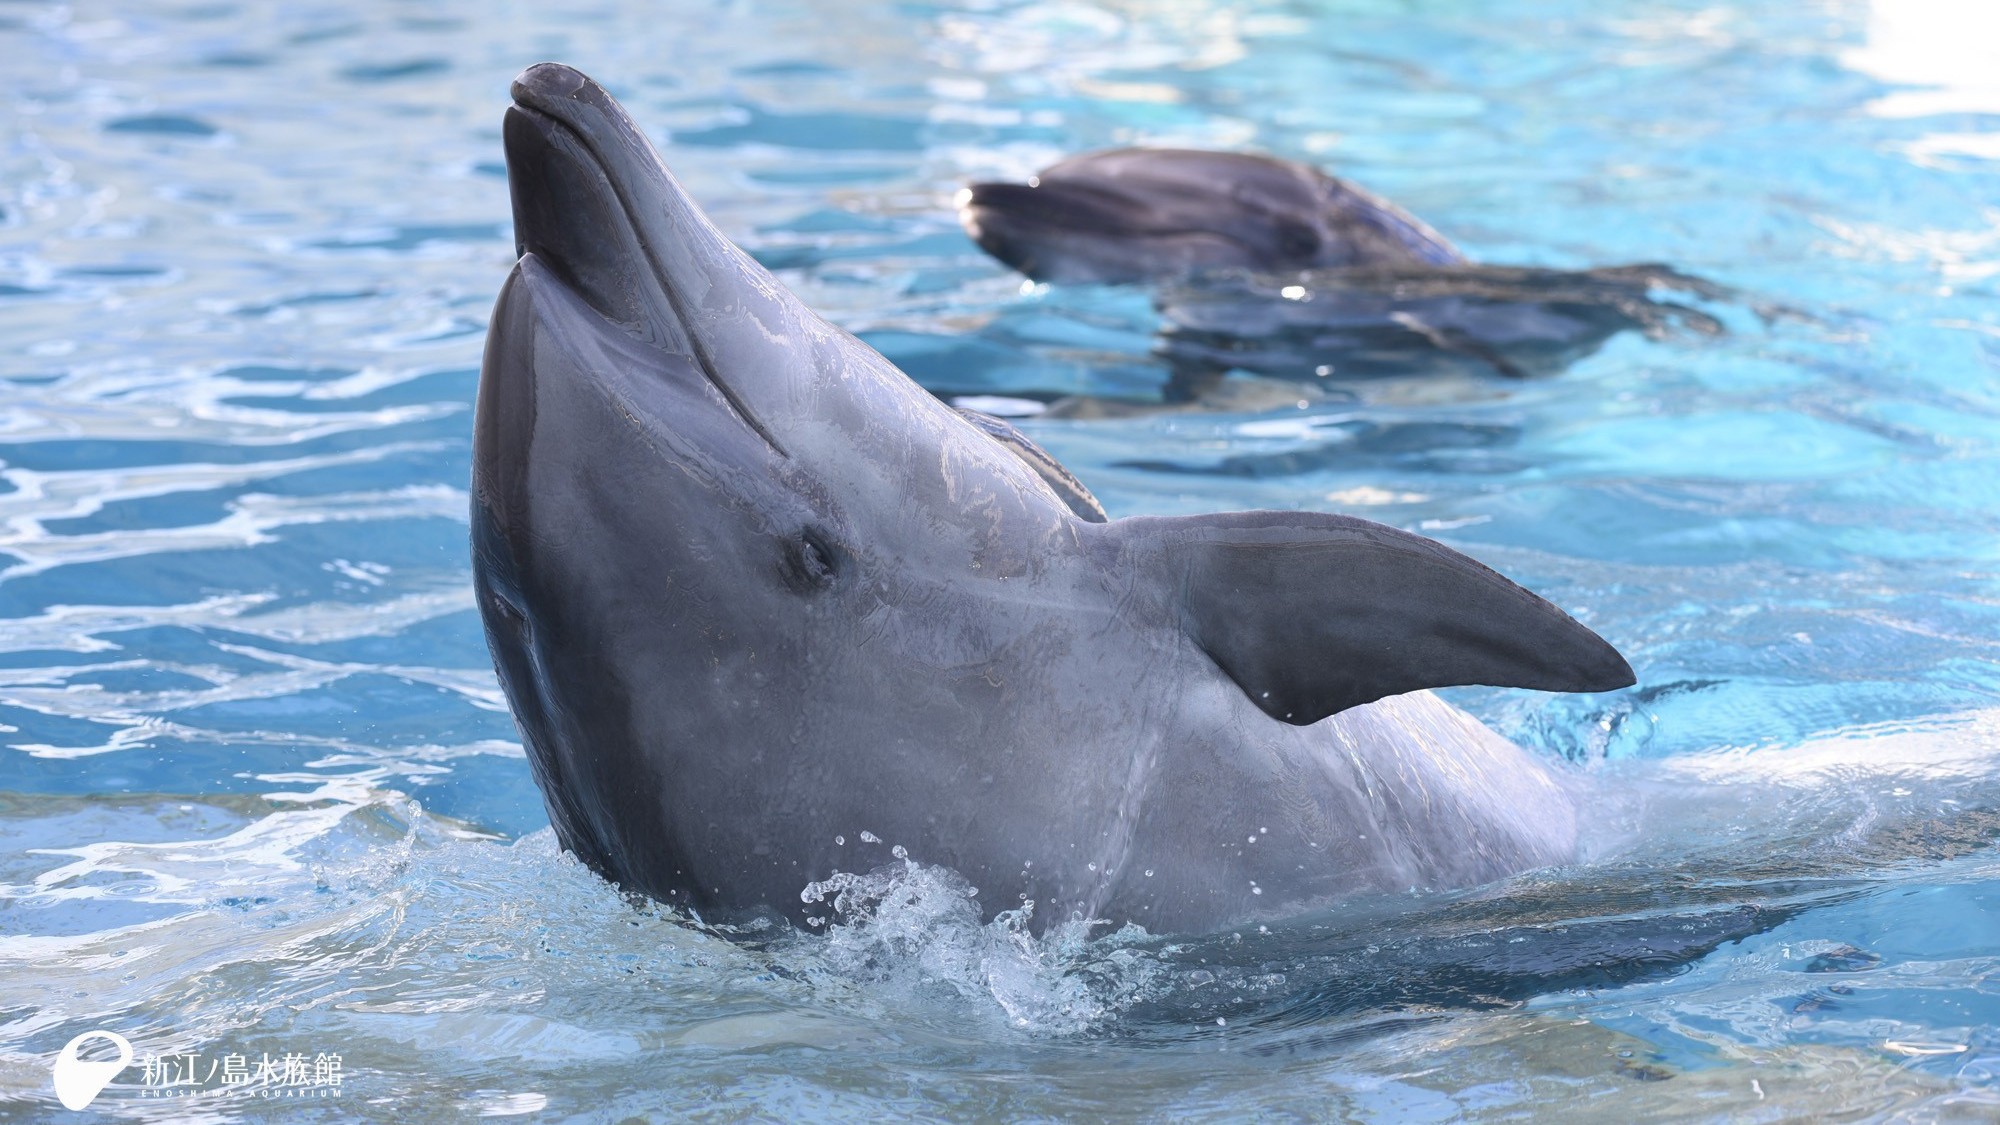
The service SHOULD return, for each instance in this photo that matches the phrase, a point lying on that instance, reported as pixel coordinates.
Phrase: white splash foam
(917, 928)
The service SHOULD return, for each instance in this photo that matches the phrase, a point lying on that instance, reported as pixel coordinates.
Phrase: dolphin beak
(594, 204)
(1054, 204)
(1033, 227)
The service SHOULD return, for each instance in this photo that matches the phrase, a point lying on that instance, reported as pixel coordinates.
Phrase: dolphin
(1275, 267)
(1154, 214)
(752, 593)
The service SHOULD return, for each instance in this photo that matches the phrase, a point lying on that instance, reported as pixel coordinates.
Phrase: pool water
(260, 794)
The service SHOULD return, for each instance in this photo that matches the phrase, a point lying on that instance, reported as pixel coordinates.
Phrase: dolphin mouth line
(700, 353)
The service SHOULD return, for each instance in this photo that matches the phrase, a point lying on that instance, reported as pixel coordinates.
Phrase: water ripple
(246, 259)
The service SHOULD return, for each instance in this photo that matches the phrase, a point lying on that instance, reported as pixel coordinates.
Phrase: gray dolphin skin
(1153, 214)
(1277, 268)
(752, 592)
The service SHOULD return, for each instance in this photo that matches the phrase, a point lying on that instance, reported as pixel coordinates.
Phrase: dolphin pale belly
(752, 592)
(1281, 269)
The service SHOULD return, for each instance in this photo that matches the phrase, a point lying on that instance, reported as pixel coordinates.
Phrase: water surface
(259, 792)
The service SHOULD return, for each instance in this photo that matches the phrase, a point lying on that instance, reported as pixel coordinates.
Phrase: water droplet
(900, 852)
(870, 838)
(1149, 873)
(840, 840)
(1220, 1022)
(1256, 890)
(1092, 866)
(1293, 292)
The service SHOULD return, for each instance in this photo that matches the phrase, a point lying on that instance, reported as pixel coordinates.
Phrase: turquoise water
(259, 792)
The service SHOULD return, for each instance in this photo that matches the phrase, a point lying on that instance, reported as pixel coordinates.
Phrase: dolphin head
(1143, 214)
(681, 476)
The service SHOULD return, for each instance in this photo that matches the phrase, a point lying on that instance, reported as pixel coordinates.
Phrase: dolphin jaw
(548, 95)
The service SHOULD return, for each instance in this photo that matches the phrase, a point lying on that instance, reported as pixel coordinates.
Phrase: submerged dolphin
(1279, 268)
(752, 592)
(1157, 214)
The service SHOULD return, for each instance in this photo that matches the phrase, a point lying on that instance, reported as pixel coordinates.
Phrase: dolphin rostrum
(752, 592)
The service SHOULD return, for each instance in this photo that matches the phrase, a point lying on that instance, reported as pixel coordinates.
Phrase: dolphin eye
(1297, 240)
(811, 561)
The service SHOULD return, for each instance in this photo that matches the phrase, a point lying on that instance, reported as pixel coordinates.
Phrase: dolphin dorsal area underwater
(750, 591)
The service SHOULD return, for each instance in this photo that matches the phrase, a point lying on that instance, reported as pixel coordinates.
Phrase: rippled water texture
(259, 792)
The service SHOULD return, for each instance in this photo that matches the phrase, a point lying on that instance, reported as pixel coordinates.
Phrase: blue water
(259, 792)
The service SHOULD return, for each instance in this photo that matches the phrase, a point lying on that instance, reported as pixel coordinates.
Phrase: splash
(917, 930)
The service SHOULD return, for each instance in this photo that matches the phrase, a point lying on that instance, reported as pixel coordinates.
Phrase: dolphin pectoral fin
(1053, 473)
(1313, 613)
